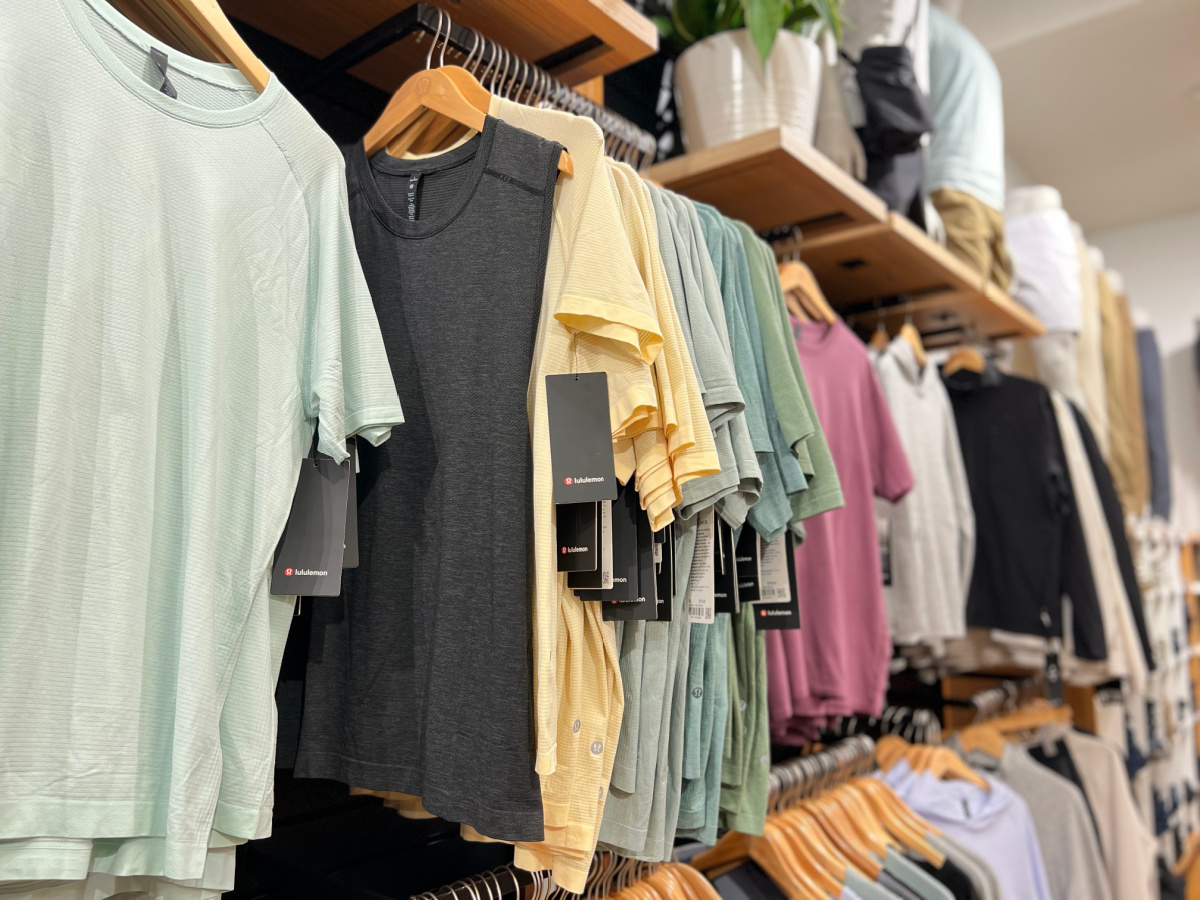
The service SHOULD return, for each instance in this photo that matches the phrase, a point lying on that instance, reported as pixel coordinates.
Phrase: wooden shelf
(773, 179)
(598, 36)
(862, 269)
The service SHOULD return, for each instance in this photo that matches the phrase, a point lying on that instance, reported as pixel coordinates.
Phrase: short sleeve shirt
(183, 291)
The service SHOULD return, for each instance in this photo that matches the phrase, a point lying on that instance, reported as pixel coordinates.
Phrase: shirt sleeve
(347, 381)
(889, 463)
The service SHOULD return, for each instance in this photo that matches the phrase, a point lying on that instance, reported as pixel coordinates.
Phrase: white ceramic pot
(723, 92)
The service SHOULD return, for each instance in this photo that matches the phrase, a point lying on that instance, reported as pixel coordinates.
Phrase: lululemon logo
(697, 692)
(568, 480)
(763, 613)
(564, 550)
(597, 748)
(287, 572)
(575, 727)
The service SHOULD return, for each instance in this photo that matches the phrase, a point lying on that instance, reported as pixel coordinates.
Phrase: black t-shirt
(1029, 543)
(419, 678)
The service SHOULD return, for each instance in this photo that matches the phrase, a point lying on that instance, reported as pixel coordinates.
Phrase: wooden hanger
(201, 29)
(909, 333)
(882, 810)
(879, 338)
(965, 358)
(427, 95)
(1031, 717)
(985, 737)
(944, 763)
(796, 277)
(889, 750)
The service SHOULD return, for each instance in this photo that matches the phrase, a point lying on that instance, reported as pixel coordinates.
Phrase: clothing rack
(917, 726)
(609, 873)
(802, 777)
(521, 80)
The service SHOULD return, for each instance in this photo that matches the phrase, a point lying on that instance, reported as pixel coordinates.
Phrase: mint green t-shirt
(182, 303)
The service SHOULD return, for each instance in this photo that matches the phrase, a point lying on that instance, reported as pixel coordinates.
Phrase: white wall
(1160, 261)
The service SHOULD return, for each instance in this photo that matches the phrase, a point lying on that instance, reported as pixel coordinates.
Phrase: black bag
(896, 110)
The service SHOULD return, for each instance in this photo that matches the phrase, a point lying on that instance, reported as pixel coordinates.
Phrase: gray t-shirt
(419, 679)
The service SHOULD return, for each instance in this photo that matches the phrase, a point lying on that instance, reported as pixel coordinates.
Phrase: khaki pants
(975, 234)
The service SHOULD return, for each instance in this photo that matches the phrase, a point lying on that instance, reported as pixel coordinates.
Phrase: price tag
(701, 598)
(581, 454)
(778, 606)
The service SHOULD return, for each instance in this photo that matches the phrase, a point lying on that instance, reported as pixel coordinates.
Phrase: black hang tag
(308, 559)
(350, 556)
(625, 510)
(666, 573)
(725, 582)
(776, 557)
(644, 604)
(577, 537)
(747, 566)
(1053, 679)
(600, 578)
(160, 62)
(581, 454)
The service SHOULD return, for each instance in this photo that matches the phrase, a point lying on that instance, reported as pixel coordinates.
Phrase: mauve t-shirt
(837, 663)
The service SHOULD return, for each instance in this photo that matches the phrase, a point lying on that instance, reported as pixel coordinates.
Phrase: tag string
(575, 353)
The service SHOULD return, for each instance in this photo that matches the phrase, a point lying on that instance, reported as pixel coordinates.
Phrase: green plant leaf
(664, 26)
(764, 18)
(830, 14)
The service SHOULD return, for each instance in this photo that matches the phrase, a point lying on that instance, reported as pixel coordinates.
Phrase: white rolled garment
(1046, 268)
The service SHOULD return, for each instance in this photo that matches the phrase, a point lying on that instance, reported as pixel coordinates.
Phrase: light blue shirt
(966, 151)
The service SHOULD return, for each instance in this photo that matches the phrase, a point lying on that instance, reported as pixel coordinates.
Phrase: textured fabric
(729, 264)
(196, 292)
(1129, 848)
(744, 792)
(932, 529)
(1124, 658)
(448, 719)
(1065, 829)
(1046, 276)
(975, 234)
(596, 316)
(995, 823)
(966, 151)
(837, 664)
(711, 361)
(1153, 409)
(1116, 528)
(684, 449)
(1123, 392)
(699, 806)
(977, 868)
(911, 876)
(732, 507)
(955, 879)
(1029, 548)
(1091, 346)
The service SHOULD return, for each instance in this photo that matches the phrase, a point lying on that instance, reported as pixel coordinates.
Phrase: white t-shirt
(181, 302)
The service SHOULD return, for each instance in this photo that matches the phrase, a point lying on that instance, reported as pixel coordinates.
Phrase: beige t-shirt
(596, 316)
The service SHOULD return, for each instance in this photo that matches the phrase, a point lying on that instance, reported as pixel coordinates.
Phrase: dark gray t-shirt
(419, 676)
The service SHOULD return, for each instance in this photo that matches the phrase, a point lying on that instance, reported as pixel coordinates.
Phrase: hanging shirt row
(201, 291)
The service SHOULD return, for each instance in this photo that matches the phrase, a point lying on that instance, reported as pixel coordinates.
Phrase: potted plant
(748, 66)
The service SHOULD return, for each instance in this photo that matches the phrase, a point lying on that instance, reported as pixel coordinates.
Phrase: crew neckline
(814, 336)
(223, 74)
(473, 153)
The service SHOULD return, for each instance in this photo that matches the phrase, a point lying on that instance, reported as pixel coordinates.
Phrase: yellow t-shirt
(596, 316)
(683, 448)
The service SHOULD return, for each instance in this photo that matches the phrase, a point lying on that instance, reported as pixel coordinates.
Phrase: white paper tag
(606, 564)
(774, 585)
(702, 600)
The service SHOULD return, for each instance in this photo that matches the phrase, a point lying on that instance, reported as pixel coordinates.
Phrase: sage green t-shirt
(182, 303)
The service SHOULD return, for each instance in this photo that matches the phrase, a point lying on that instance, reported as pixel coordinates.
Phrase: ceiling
(1101, 100)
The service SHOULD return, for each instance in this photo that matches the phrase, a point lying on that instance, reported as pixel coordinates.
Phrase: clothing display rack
(917, 726)
(530, 82)
(812, 773)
